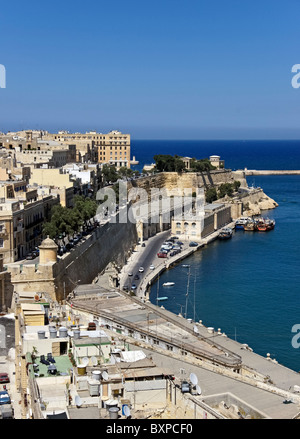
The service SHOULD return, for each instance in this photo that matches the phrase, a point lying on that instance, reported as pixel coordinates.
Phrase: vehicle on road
(30, 256)
(141, 269)
(4, 378)
(133, 287)
(130, 273)
(4, 397)
(136, 277)
(151, 267)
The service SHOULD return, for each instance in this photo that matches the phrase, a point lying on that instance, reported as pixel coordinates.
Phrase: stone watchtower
(48, 251)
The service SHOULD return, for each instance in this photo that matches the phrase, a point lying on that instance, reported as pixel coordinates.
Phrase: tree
(168, 163)
(211, 195)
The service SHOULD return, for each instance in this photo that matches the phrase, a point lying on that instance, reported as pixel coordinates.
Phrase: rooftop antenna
(126, 411)
(94, 361)
(105, 376)
(78, 401)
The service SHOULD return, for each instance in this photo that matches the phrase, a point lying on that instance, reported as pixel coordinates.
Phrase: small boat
(249, 226)
(162, 298)
(240, 223)
(264, 225)
(225, 233)
(168, 284)
(185, 265)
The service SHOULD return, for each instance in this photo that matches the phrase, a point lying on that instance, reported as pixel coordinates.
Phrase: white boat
(168, 284)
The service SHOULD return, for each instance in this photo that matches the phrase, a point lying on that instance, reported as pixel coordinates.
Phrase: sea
(248, 286)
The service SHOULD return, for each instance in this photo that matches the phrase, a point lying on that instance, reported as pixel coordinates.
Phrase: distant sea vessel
(225, 233)
(168, 284)
(159, 299)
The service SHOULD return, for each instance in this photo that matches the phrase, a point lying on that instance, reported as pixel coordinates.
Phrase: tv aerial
(126, 411)
(78, 401)
(105, 376)
(194, 379)
(94, 361)
(198, 390)
(85, 361)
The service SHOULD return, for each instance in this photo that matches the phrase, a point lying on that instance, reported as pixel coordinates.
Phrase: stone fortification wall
(111, 243)
(190, 180)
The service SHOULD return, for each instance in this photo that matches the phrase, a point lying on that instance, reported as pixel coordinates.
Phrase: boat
(249, 226)
(264, 225)
(225, 233)
(168, 284)
(185, 265)
(240, 223)
(162, 298)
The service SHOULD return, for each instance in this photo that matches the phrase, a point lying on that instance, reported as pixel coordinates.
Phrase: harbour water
(247, 286)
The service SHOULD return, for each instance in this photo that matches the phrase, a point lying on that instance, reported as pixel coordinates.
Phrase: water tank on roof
(76, 333)
(41, 334)
(52, 332)
(94, 387)
(63, 332)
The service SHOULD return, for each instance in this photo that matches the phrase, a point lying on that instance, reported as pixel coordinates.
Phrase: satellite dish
(198, 390)
(105, 376)
(78, 401)
(85, 361)
(194, 379)
(126, 411)
(94, 361)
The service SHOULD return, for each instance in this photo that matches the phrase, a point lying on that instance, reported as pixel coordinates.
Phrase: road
(143, 257)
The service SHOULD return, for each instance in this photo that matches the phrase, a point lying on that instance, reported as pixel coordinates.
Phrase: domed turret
(48, 251)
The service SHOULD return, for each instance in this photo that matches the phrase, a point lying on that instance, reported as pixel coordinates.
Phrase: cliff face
(254, 203)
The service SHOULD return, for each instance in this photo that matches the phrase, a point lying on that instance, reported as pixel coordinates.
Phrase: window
(1, 243)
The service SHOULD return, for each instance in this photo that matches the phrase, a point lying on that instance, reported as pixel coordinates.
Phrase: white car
(151, 267)
(141, 269)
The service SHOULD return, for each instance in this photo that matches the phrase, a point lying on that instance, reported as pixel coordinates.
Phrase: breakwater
(270, 172)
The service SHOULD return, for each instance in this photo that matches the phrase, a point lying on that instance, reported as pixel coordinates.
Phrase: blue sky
(160, 69)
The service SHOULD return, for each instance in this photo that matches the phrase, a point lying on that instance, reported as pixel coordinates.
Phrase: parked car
(136, 277)
(193, 244)
(4, 378)
(161, 255)
(151, 267)
(4, 397)
(125, 287)
(130, 273)
(31, 255)
(133, 287)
